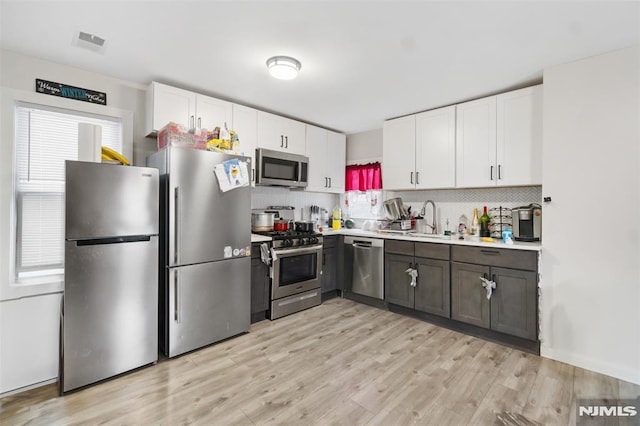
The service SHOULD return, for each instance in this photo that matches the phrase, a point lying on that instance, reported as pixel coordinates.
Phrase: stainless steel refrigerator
(205, 259)
(109, 321)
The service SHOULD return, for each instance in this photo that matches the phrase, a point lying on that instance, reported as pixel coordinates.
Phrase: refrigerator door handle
(176, 222)
(113, 240)
(176, 317)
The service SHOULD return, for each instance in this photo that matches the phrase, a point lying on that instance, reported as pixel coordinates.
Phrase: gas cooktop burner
(290, 239)
(289, 234)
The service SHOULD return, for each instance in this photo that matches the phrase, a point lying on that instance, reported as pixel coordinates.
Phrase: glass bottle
(485, 221)
(475, 223)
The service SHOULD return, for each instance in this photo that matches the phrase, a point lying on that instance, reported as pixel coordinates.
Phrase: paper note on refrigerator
(232, 174)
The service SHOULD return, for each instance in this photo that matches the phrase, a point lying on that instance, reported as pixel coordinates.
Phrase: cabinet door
(245, 123)
(397, 283)
(469, 301)
(436, 148)
(519, 137)
(513, 302)
(212, 113)
(398, 153)
(316, 150)
(294, 136)
(336, 161)
(432, 293)
(329, 278)
(476, 143)
(259, 286)
(166, 104)
(270, 131)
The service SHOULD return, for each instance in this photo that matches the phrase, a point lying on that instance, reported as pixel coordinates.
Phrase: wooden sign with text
(70, 92)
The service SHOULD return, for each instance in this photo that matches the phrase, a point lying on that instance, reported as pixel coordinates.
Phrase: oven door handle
(297, 251)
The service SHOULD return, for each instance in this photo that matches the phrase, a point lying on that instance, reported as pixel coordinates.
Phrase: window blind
(44, 139)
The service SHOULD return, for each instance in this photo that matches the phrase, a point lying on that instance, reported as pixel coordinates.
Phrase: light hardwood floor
(339, 363)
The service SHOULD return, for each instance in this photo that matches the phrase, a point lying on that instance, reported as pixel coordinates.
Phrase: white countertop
(469, 241)
(256, 238)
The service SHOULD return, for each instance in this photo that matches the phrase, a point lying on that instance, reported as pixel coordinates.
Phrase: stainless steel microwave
(276, 168)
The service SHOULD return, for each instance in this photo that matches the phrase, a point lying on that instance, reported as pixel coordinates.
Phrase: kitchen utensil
(304, 225)
(262, 221)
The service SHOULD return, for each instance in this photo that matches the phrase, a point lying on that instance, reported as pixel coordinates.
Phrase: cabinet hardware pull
(199, 122)
(493, 278)
(499, 172)
(490, 252)
(326, 182)
(411, 178)
(329, 182)
(417, 178)
(491, 173)
(253, 175)
(286, 142)
(192, 121)
(281, 141)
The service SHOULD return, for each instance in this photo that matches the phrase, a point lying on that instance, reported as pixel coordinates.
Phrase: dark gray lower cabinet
(259, 285)
(512, 307)
(331, 279)
(431, 293)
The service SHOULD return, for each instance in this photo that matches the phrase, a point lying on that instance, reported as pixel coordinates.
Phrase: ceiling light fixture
(283, 67)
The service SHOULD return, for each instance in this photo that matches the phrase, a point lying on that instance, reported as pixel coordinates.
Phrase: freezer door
(110, 310)
(205, 224)
(207, 303)
(106, 200)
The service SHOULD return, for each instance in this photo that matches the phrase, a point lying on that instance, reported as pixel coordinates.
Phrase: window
(46, 137)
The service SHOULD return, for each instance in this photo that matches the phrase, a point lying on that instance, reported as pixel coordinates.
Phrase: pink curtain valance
(363, 177)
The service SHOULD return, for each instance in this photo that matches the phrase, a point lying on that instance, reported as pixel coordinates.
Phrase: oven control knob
(304, 241)
(287, 242)
(313, 240)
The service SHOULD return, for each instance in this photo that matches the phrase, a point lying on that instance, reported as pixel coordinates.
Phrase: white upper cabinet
(166, 104)
(336, 161)
(418, 151)
(476, 143)
(245, 123)
(519, 137)
(280, 133)
(499, 140)
(398, 153)
(436, 149)
(327, 160)
(212, 113)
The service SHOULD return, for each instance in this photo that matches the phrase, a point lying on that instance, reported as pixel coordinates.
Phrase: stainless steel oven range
(295, 271)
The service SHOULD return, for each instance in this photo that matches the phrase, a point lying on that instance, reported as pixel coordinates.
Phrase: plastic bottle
(485, 221)
(336, 217)
(475, 224)
(507, 235)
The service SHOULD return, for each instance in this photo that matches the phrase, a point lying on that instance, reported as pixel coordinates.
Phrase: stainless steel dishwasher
(366, 256)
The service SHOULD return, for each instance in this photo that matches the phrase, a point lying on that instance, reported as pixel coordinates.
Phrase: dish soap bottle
(336, 217)
(485, 230)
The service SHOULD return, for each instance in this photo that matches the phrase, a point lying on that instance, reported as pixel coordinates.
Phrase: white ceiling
(362, 61)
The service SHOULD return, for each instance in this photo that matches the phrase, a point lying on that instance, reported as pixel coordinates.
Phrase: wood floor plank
(341, 363)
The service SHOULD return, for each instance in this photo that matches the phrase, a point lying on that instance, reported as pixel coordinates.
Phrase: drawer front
(399, 247)
(433, 251)
(329, 242)
(507, 258)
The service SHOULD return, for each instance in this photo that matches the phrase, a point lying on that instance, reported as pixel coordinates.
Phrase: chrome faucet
(434, 228)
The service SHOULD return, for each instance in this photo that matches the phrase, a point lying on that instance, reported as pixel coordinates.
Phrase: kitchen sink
(433, 236)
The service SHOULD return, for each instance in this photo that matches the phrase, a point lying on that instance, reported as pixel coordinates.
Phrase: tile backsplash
(265, 196)
(452, 203)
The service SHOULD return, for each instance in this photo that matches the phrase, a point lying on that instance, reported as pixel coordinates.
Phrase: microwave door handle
(299, 171)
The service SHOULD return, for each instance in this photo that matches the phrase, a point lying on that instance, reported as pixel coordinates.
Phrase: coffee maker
(527, 222)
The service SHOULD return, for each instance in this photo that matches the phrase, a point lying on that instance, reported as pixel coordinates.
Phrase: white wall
(30, 315)
(364, 147)
(590, 300)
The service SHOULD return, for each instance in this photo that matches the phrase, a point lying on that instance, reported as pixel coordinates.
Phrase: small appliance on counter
(527, 222)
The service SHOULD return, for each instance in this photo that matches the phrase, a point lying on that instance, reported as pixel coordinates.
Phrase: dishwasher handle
(363, 242)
